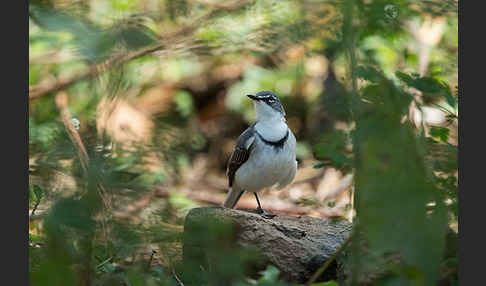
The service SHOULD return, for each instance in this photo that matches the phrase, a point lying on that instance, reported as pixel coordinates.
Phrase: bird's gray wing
(241, 153)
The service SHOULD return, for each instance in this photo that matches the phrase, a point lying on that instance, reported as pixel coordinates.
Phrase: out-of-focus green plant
(346, 62)
(393, 189)
(403, 190)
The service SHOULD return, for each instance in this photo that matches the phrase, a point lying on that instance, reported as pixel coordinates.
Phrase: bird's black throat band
(278, 144)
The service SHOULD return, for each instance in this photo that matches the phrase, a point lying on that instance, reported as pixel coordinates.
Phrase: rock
(296, 245)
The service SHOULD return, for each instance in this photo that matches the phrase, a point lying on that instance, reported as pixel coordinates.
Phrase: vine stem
(329, 261)
(349, 39)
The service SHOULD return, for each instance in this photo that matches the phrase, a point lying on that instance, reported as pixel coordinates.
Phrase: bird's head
(267, 106)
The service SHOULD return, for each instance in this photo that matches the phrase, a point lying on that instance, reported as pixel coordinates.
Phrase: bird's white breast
(273, 130)
(268, 165)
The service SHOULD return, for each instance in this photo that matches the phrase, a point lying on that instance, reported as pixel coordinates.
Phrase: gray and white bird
(264, 155)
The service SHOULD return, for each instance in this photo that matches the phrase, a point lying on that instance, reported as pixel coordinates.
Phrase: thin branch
(62, 103)
(151, 258)
(104, 262)
(34, 209)
(177, 278)
(329, 261)
(66, 82)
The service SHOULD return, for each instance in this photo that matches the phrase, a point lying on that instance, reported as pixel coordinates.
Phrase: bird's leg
(262, 212)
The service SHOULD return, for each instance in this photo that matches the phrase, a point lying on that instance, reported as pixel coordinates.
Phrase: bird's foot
(265, 214)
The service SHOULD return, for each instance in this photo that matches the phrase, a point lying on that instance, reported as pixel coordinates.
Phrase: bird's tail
(232, 198)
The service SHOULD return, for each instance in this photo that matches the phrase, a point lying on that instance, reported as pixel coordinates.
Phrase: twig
(62, 103)
(177, 278)
(34, 209)
(151, 257)
(63, 83)
(104, 262)
(329, 261)
(61, 100)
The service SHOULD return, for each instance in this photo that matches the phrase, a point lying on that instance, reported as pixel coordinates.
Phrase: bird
(264, 155)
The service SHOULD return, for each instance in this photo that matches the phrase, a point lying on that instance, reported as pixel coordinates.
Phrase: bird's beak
(252, 96)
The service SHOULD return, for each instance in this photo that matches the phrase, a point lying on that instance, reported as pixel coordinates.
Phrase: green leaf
(332, 150)
(38, 191)
(405, 77)
(69, 213)
(35, 237)
(424, 84)
(448, 95)
(184, 103)
(441, 133)
(428, 85)
(321, 165)
(92, 41)
(368, 73)
(109, 268)
(395, 189)
(157, 270)
(270, 274)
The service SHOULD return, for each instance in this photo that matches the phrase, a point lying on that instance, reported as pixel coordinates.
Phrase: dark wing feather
(241, 153)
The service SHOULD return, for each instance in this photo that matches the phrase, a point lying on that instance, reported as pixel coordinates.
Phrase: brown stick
(62, 103)
(63, 83)
(61, 100)
(34, 209)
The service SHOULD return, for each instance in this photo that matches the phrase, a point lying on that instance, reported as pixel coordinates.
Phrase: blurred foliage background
(135, 106)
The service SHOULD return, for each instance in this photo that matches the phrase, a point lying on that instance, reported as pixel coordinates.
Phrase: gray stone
(296, 245)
